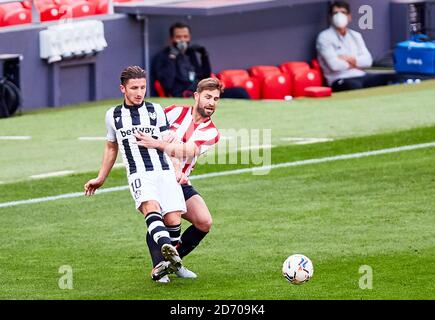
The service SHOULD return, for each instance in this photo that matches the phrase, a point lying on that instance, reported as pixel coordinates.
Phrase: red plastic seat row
(295, 79)
(261, 82)
(21, 12)
(57, 9)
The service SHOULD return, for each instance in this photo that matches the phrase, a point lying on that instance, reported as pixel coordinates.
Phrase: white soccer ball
(297, 269)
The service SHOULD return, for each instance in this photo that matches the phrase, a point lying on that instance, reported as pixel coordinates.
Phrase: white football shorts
(160, 186)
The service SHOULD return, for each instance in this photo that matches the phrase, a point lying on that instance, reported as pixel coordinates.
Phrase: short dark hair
(132, 72)
(177, 25)
(339, 4)
(210, 84)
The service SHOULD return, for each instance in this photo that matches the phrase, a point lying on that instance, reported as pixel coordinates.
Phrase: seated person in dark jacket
(179, 70)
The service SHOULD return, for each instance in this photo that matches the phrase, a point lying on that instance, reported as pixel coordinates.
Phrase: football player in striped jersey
(150, 172)
(193, 128)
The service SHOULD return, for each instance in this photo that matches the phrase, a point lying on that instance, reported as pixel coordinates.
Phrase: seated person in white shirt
(343, 55)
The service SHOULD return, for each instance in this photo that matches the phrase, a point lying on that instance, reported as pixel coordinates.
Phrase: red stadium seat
(292, 67)
(317, 92)
(101, 6)
(78, 8)
(252, 86)
(261, 72)
(305, 78)
(83, 9)
(14, 14)
(49, 13)
(233, 78)
(48, 10)
(22, 16)
(316, 66)
(241, 78)
(276, 86)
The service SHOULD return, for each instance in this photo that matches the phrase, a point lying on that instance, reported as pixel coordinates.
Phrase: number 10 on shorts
(135, 186)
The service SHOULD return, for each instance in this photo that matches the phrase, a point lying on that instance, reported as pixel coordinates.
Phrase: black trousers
(235, 93)
(367, 81)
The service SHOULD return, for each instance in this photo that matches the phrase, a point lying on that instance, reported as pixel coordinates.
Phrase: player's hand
(181, 177)
(170, 137)
(92, 185)
(146, 141)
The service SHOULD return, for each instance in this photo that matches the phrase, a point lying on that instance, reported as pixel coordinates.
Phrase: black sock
(154, 248)
(174, 233)
(157, 229)
(189, 240)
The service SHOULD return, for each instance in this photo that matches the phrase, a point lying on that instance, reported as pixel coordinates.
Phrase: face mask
(182, 45)
(340, 20)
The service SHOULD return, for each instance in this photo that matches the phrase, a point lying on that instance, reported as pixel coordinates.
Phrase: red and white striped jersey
(204, 135)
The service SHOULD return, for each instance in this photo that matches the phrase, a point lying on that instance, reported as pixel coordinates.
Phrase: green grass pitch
(377, 211)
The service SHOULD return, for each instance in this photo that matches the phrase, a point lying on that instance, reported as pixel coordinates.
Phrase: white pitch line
(61, 196)
(15, 138)
(238, 171)
(313, 141)
(92, 138)
(52, 174)
(264, 146)
(306, 140)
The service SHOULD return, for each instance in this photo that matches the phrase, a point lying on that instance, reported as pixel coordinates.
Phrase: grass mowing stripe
(29, 188)
(240, 171)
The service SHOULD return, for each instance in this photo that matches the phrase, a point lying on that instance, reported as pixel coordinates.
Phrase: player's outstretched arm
(109, 158)
(174, 149)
